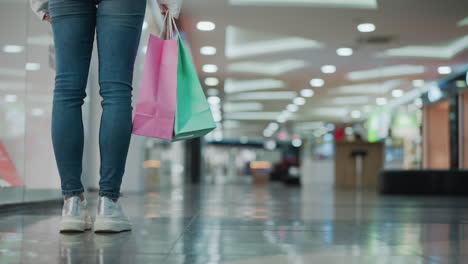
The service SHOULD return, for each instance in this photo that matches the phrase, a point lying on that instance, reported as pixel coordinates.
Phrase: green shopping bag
(193, 116)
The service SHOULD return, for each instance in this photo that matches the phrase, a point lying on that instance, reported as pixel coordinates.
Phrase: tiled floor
(246, 224)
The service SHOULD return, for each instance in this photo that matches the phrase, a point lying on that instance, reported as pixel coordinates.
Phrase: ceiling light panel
(263, 96)
(267, 68)
(367, 88)
(235, 86)
(208, 50)
(358, 4)
(252, 116)
(243, 43)
(348, 100)
(437, 52)
(366, 27)
(241, 107)
(384, 72)
(329, 111)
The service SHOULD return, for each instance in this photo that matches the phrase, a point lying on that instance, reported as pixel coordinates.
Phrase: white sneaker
(110, 217)
(75, 216)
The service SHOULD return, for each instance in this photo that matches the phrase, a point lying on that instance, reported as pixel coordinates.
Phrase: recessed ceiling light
(299, 101)
(307, 92)
(214, 100)
(397, 93)
(210, 68)
(381, 101)
(444, 70)
(418, 83)
(328, 69)
(13, 48)
(292, 108)
(356, 114)
(366, 27)
(206, 26)
(211, 81)
(317, 82)
(344, 51)
(208, 50)
(33, 66)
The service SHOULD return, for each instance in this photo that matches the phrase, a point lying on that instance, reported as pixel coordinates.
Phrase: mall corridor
(250, 224)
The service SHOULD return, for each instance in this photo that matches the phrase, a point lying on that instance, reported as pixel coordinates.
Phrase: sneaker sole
(70, 226)
(101, 226)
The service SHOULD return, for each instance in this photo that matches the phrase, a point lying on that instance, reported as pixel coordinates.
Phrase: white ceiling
(290, 40)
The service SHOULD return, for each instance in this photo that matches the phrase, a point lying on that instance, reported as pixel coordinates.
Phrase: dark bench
(424, 182)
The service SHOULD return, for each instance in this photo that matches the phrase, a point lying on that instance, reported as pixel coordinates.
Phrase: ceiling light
(446, 51)
(317, 82)
(299, 101)
(281, 119)
(292, 108)
(208, 50)
(307, 92)
(329, 111)
(251, 116)
(381, 101)
(397, 93)
(33, 66)
(356, 114)
(10, 98)
(328, 69)
(367, 88)
(214, 100)
(360, 4)
(263, 96)
(210, 68)
(234, 85)
(271, 43)
(211, 81)
(347, 100)
(366, 27)
(418, 83)
(206, 26)
(385, 72)
(13, 48)
(272, 68)
(273, 126)
(344, 52)
(240, 107)
(444, 70)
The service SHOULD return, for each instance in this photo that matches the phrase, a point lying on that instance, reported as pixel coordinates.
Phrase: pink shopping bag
(156, 105)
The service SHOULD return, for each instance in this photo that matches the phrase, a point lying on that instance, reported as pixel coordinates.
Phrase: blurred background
(310, 96)
(288, 82)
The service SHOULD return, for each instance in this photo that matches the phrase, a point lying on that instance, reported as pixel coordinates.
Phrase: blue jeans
(117, 24)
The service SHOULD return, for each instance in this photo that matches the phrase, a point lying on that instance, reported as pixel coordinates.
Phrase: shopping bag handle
(169, 27)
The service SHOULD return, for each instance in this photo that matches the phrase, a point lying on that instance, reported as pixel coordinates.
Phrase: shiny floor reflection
(243, 224)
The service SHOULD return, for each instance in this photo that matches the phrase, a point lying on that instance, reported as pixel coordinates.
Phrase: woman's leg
(118, 29)
(73, 25)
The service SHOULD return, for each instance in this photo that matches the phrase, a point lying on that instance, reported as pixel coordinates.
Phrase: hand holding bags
(170, 92)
